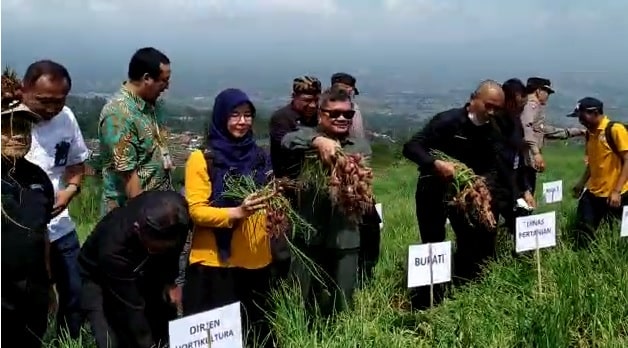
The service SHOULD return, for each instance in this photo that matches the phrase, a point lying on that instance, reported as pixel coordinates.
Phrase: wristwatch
(78, 187)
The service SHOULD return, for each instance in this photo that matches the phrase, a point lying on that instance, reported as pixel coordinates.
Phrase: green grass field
(584, 301)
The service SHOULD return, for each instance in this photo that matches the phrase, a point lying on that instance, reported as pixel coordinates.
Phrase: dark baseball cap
(21, 110)
(587, 104)
(346, 79)
(535, 83)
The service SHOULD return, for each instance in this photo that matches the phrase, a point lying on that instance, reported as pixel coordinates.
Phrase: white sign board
(536, 231)
(429, 264)
(624, 222)
(217, 328)
(380, 212)
(553, 191)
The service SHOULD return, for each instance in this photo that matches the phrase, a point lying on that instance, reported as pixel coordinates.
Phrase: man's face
(488, 103)
(153, 88)
(336, 117)
(542, 95)
(589, 119)
(305, 104)
(346, 87)
(16, 136)
(46, 96)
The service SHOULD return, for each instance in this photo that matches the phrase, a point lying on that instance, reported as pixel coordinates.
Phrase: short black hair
(46, 67)
(163, 214)
(146, 60)
(512, 88)
(334, 94)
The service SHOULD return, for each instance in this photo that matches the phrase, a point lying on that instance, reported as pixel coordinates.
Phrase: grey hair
(484, 85)
(334, 94)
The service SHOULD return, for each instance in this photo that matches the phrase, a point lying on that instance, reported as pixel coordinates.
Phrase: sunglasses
(333, 114)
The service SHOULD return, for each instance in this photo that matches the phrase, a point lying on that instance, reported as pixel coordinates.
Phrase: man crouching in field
(335, 245)
(467, 135)
(127, 264)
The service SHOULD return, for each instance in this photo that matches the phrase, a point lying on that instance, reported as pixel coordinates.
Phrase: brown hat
(21, 110)
(306, 85)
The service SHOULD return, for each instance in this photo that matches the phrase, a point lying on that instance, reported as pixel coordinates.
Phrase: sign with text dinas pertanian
(217, 328)
(624, 222)
(553, 191)
(380, 211)
(429, 263)
(535, 231)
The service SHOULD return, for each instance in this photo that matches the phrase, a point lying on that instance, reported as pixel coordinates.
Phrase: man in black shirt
(467, 135)
(27, 200)
(301, 111)
(128, 263)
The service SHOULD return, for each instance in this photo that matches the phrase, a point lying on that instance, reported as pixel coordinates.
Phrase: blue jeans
(65, 273)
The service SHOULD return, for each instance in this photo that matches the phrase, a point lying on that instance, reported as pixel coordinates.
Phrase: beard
(15, 147)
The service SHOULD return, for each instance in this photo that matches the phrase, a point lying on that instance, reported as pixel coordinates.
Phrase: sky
(564, 35)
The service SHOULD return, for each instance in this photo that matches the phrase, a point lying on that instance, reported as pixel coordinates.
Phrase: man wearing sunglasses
(335, 245)
(128, 264)
(467, 135)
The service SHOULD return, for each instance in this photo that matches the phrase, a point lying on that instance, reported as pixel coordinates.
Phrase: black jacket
(511, 148)
(283, 121)
(114, 257)
(27, 201)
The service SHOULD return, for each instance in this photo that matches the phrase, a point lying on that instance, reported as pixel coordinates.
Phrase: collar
(603, 123)
(141, 104)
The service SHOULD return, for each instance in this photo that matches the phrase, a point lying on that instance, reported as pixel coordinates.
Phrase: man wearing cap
(603, 189)
(347, 82)
(27, 201)
(370, 234)
(536, 129)
(301, 111)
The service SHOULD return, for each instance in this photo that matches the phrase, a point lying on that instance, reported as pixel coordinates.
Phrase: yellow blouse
(250, 245)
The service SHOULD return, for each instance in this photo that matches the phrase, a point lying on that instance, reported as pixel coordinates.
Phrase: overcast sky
(562, 34)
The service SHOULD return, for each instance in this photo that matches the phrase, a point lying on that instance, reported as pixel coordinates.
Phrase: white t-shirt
(58, 143)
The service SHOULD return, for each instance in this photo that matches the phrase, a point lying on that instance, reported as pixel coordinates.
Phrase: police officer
(27, 201)
(536, 129)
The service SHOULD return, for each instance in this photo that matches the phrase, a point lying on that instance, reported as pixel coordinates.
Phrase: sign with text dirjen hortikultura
(536, 231)
(217, 328)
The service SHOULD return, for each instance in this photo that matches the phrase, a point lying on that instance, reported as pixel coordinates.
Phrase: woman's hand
(249, 206)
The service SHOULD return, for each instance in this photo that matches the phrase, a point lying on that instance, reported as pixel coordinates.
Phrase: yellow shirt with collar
(605, 165)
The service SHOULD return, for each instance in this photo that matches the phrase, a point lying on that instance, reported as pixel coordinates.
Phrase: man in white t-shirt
(59, 149)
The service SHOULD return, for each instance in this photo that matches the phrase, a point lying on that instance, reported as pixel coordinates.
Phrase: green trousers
(328, 279)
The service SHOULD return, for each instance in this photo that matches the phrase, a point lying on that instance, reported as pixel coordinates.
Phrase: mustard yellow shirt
(605, 165)
(250, 246)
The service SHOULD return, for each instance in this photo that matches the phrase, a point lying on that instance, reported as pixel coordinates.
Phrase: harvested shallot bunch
(470, 193)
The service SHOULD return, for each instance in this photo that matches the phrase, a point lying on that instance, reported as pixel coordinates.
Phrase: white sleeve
(79, 152)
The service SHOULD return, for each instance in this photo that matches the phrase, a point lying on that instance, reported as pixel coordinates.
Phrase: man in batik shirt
(133, 149)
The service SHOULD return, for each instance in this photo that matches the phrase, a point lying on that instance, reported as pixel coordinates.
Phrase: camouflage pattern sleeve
(119, 139)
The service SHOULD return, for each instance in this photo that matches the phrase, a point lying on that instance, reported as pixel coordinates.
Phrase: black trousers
(103, 312)
(24, 312)
(208, 288)
(332, 282)
(591, 211)
(370, 239)
(474, 244)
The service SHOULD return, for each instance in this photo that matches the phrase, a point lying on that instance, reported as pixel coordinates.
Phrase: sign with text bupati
(429, 263)
(553, 191)
(536, 231)
(624, 222)
(217, 328)
(380, 211)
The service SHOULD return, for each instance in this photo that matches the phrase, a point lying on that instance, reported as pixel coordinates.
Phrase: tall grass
(584, 302)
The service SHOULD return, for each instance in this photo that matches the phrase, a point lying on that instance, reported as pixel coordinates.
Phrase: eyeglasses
(347, 114)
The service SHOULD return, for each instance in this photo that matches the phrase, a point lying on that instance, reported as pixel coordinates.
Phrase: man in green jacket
(334, 247)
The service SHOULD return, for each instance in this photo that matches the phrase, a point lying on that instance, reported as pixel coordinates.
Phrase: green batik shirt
(130, 139)
(333, 230)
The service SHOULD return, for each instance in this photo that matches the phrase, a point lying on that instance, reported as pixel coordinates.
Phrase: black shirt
(453, 133)
(27, 201)
(114, 257)
(285, 120)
